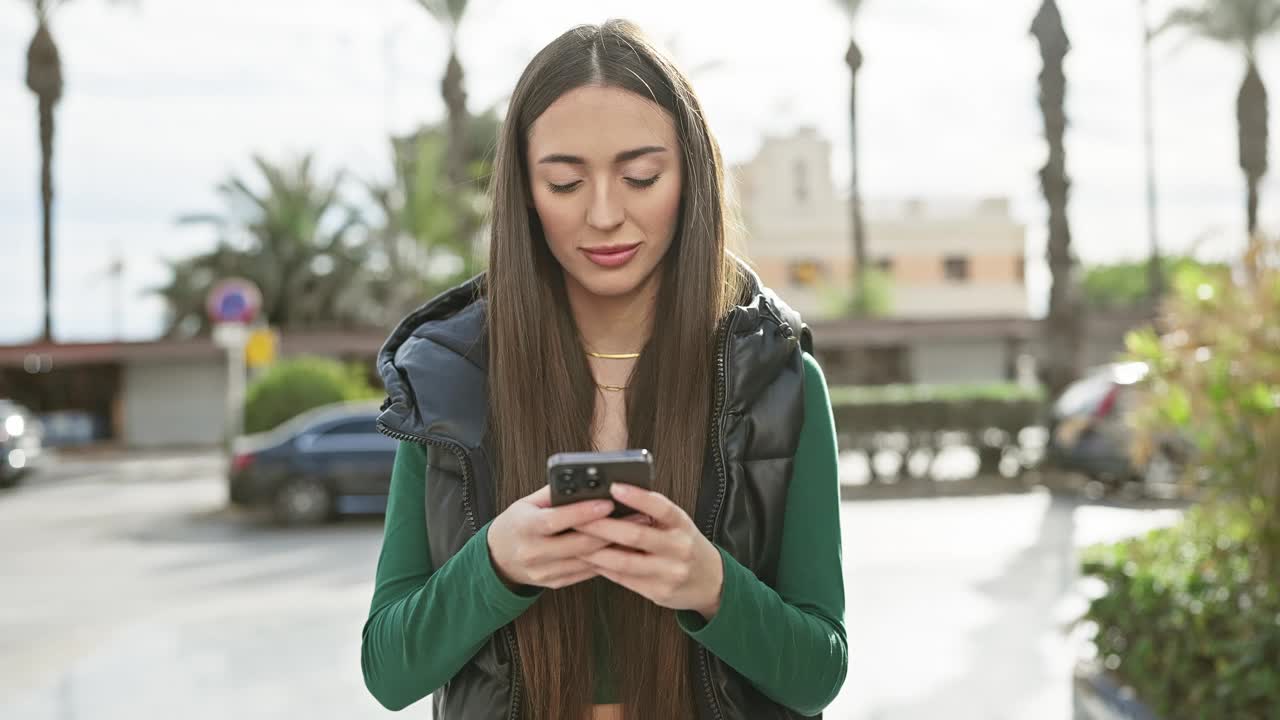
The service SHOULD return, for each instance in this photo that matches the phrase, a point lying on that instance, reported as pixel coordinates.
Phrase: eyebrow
(619, 158)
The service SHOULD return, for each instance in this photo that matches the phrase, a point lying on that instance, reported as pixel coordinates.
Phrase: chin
(610, 283)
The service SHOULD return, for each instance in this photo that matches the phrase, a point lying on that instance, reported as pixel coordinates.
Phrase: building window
(802, 182)
(805, 273)
(956, 268)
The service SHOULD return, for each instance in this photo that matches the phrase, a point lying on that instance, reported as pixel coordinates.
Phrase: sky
(164, 100)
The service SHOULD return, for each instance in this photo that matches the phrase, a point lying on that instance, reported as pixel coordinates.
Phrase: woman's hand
(528, 545)
(669, 562)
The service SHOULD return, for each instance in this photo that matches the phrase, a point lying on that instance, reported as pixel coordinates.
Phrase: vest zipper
(717, 454)
(460, 453)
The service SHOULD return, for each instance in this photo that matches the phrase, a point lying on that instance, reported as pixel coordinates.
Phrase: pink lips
(612, 256)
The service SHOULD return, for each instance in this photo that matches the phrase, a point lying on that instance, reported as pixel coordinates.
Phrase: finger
(637, 518)
(623, 562)
(654, 504)
(636, 585)
(541, 498)
(567, 580)
(555, 520)
(571, 544)
(630, 534)
(547, 573)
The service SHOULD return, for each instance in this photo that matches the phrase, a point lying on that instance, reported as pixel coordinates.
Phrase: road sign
(233, 300)
(260, 350)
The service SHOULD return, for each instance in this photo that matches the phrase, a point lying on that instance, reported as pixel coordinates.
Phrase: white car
(20, 442)
(1090, 433)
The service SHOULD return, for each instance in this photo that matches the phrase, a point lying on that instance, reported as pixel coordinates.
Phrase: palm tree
(1063, 324)
(44, 78)
(1241, 24)
(452, 88)
(424, 217)
(298, 241)
(1155, 267)
(853, 58)
(417, 230)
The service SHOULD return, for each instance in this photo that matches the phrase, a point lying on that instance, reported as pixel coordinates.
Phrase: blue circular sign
(233, 300)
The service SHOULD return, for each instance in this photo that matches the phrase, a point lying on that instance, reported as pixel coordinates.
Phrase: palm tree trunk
(1155, 271)
(454, 93)
(46, 213)
(44, 78)
(1251, 119)
(1063, 324)
(858, 231)
(453, 90)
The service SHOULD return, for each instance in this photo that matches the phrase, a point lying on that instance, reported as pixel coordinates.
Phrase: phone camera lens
(593, 477)
(566, 483)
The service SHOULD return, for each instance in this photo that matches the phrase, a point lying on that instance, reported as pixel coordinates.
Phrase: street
(130, 591)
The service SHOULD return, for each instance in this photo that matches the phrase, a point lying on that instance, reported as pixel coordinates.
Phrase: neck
(615, 324)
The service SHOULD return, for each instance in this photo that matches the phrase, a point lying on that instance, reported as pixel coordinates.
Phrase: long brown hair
(542, 392)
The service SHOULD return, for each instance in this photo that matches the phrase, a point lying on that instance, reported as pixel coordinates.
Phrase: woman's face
(605, 172)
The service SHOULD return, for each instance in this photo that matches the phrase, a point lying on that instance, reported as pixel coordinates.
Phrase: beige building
(940, 258)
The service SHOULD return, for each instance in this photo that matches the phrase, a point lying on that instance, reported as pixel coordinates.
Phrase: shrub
(1215, 380)
(294, 386)
(876, 394)
(1187, 621)
(1190, 617)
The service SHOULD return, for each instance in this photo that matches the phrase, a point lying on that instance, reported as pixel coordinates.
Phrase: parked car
(20, 442)
(1089, 431)
(311, 468)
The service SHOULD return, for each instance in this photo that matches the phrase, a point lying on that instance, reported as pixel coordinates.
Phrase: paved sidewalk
(149, 600)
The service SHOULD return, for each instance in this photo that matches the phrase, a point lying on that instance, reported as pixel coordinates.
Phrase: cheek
(561, 218)
(658, 210)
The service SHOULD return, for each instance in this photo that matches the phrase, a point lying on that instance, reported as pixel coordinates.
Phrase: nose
(605, 211)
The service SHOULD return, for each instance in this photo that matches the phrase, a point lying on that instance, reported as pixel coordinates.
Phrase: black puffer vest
(434, 368)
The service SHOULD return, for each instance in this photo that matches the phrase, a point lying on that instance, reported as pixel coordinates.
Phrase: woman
(611, 317)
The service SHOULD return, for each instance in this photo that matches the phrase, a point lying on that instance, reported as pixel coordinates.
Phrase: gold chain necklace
(613, 356)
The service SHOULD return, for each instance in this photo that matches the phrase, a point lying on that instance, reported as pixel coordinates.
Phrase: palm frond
(281, 229)
(447, 12)
(850, 7)
(1241, 23)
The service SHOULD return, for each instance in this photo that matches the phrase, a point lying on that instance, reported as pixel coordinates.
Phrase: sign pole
(232, 338)
(232, 304)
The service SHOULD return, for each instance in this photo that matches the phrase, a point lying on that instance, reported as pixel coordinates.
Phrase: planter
(1095, 695)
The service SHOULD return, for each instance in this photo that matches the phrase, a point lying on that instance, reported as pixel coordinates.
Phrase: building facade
(938, 259)
(156, 394)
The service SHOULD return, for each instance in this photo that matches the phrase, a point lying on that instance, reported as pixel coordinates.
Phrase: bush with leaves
(1188, 621)
(1215, 379)
(1190, 616)
(873, 301)
(1126, 285)
(294, 386)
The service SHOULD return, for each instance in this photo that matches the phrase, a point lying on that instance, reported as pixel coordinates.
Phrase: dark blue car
(311, 469)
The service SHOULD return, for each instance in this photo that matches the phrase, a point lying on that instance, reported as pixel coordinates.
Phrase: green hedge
(294, 386)
(1187, 622)
(882, 394)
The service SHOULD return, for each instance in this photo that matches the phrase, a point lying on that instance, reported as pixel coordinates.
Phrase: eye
(643, 183)
(568, 188)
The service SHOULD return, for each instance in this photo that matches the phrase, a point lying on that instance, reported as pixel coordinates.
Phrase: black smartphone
(577, 476)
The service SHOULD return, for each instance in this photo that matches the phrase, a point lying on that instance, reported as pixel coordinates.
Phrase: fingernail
(621, 490)
(602, 507)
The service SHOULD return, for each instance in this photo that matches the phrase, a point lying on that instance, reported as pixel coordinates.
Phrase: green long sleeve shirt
(789, 640)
